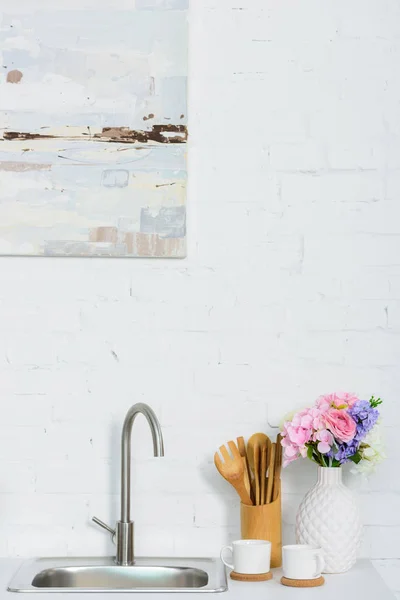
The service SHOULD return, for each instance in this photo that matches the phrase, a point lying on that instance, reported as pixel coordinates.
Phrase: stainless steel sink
(124, 572)
(103, 575)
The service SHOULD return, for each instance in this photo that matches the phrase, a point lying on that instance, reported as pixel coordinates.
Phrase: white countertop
(363, 581)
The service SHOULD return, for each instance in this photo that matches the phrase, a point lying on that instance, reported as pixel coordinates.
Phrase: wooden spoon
(256, 439)
(242, 451)
(232, 469)
(271, 469)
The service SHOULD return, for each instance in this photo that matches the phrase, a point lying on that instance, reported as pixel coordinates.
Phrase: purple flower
(365, 417)
(345, 451)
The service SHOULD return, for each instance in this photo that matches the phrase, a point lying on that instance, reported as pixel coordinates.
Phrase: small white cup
(250, 557)
(302, 562)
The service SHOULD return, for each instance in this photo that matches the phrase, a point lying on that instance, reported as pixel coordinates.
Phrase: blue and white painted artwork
(93, 127)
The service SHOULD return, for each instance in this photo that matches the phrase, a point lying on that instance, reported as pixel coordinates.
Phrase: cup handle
(222, 556)
(319, 559)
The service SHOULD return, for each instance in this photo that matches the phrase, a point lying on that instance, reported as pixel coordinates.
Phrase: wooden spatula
(263, 472)
(261, 440)
(256, 469)
(232, 469)
(242, 451)
(278, 466)
(271, 470)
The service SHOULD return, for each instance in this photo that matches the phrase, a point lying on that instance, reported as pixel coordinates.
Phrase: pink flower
(338, 400)
(290, 451)
(345, 398)
(309, 418)
(306, 421)
(298, 435)
(295, 435)
(324, 403)
(317, 418)
(340, 423)
(325, 439)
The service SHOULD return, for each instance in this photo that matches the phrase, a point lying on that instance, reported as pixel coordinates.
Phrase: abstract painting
(93, 127)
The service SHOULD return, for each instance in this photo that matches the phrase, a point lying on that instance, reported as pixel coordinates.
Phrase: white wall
(291, 289)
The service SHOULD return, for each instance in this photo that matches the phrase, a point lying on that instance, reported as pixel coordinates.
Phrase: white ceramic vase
(329, 518)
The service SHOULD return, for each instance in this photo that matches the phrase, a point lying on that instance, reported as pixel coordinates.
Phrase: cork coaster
(303, 583)
(246, 577)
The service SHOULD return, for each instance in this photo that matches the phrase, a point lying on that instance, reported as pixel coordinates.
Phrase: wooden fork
(232, 469)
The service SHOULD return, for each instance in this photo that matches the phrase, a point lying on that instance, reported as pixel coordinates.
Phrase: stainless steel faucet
(124, 531)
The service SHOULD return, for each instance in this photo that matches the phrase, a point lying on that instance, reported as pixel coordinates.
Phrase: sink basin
(121, 577)
(103, 575)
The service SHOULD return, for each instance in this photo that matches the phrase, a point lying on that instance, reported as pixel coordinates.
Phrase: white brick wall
(291, 289)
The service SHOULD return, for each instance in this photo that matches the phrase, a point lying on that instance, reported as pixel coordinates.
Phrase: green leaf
(375, 402)
(313, 454)
(356, 458)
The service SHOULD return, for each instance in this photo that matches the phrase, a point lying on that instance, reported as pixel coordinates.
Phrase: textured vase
(329, 518)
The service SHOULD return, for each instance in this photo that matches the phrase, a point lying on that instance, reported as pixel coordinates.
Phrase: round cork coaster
(303, 583)
(246, 577)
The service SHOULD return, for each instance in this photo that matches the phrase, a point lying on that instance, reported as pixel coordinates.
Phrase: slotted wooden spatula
(232, 469)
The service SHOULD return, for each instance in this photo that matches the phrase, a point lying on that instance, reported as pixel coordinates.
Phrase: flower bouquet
(337, 429)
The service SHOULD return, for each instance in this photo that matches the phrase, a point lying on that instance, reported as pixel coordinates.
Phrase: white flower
(372, 451)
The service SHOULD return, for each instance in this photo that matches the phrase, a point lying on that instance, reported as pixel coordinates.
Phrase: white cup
(302, 562)
(250, 557)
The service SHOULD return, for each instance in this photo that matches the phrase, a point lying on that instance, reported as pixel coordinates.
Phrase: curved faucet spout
(125, 525)
(158, 445)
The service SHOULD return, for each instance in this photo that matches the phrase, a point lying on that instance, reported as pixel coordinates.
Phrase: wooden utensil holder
(264, 523)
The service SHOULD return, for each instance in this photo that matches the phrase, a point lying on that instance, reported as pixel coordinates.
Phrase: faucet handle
(105, 526)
